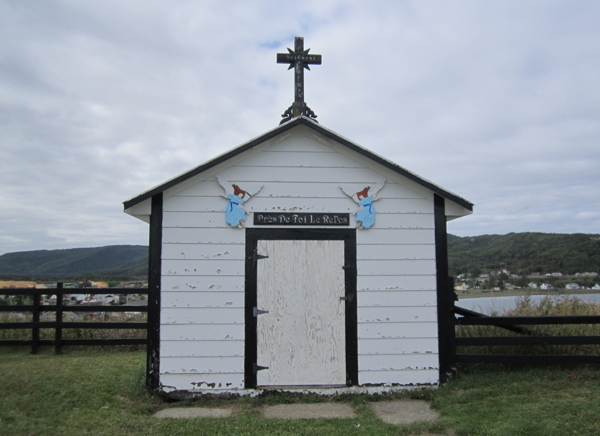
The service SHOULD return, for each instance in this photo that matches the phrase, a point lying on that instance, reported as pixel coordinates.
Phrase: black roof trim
(277, 131)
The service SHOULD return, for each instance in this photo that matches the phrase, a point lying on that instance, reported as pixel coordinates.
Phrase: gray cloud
(99, 101)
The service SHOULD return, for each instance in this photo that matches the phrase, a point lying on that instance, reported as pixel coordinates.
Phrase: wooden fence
(59, 324)
(449, 342)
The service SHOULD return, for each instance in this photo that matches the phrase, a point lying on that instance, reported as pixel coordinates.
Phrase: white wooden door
(302, 338)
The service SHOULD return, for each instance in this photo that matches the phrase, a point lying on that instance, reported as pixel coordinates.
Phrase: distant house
(536, 274)
(596, 286)
(546, 286)
(484, 276)
(572, 286)
(533, 285)
(77, 297)
(557, 274)
(463, 287)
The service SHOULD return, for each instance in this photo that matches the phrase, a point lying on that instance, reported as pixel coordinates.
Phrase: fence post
(59, 318)
(35, 331)
(452, 325)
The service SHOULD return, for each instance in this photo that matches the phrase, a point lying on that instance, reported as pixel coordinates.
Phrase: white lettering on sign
(302, 219)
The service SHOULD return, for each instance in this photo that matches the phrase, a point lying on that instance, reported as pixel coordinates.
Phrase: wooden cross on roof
(299, 59)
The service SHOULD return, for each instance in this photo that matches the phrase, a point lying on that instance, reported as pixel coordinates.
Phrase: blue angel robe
(366, 215)
(234, 213)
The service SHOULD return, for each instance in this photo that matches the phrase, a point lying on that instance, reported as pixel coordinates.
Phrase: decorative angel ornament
(366, 213)
(235, 213)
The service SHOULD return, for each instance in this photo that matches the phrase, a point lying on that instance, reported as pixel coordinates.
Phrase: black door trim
(250, 346)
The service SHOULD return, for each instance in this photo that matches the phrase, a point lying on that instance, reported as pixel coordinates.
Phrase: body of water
(487, 305)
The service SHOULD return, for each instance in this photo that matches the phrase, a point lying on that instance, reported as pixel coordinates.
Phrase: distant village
(88, 298)
(504, 280)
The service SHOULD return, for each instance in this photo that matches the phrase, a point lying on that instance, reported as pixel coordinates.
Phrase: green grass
(85, 391)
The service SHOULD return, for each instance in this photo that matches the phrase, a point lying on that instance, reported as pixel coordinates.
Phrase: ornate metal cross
(299, 59)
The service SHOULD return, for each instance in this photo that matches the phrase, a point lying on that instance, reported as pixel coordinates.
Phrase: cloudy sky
(496, 101)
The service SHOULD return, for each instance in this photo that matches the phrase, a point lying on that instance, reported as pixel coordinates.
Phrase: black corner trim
(445, 300)
(154, 287)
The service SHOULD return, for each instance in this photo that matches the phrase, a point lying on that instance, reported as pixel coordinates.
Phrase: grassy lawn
(93, 392)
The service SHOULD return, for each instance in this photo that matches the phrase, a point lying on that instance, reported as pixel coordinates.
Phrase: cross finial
(299, 59)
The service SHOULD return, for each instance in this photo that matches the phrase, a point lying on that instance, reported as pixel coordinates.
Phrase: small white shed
(268, 271)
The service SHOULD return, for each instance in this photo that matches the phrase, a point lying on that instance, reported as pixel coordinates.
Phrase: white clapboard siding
(406, 377)
(203, 251)
(204, 267)
(195, 315)
(202, 332)
(395, 236)
(404, 220)
(299, 204)
(202, 188)
(202, 381)
(222, 299)
(202, 284)
(397, 330)
(203, 236)
(185, 348)
(300, 159)
(298, 174)
(399, 362)
(397, 298)
(389, 252)
(397, 346)
(186, 365)
(195, 219)
(386, 283)
(304, 143)
(396, 267)
(211, 188)
(397, 314)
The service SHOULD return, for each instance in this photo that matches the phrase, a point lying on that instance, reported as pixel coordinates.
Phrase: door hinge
(256, 368)
(256, 256)
(256, 311)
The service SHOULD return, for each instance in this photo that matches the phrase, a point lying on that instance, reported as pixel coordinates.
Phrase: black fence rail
(59, 324)
(516, 325)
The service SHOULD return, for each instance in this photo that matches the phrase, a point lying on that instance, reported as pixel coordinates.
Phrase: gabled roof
(302, 120)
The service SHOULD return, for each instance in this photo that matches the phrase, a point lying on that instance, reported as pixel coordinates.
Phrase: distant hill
(525, 252)
(111, 262)
(517, 252)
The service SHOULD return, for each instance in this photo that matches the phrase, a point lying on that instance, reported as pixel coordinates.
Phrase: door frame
(253, 235)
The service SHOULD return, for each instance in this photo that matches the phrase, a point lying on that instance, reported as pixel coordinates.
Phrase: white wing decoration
(228, 187)
(252, 189)
(376, 188)
(349, 192)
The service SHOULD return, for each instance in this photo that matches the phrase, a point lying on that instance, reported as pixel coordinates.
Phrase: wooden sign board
(301, 219)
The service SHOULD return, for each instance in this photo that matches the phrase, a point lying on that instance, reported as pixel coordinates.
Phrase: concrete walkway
(392, 412)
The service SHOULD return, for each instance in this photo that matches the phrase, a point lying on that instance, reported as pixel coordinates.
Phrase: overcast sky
(496, 101)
